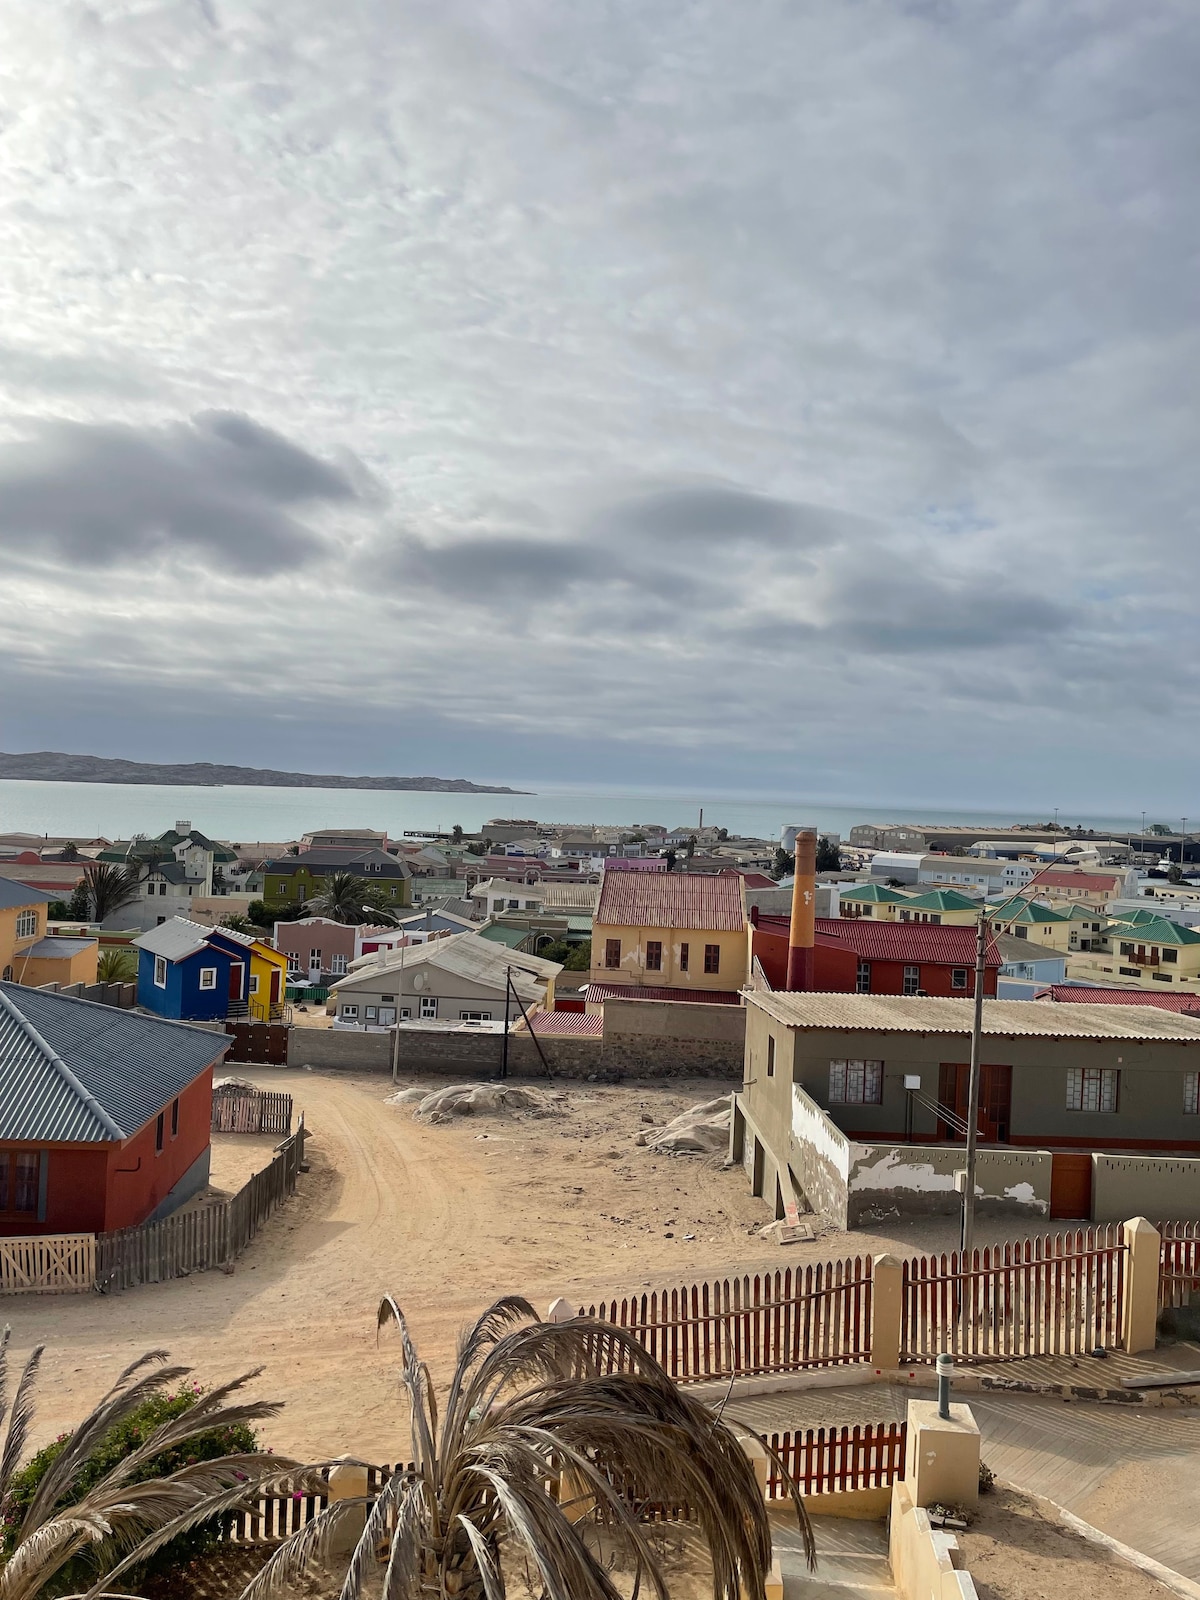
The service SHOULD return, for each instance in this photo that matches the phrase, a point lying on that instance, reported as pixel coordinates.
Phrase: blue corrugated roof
(74, 1071)
(13, 894)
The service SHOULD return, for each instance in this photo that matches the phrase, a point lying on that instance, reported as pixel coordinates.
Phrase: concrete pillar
(348, 1481)
(756, 1453)
(561, 1310)
(942, 1460)
(1142, 1265)
(887, 1313)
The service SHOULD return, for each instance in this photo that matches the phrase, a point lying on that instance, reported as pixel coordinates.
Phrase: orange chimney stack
(802, 935)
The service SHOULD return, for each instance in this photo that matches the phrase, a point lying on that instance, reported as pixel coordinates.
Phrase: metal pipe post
(968, 1206)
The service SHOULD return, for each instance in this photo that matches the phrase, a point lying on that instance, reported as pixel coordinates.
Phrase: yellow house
(28, 954)
(947, 908)
(1026, 919)
(872, 900)
(1144, 951)
(681, 931)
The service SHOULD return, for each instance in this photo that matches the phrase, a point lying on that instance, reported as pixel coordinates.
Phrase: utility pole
(507, 1013)
(968, 1206)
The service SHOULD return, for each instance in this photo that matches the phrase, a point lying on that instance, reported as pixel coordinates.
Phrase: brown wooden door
(235, 980)
(995, 1100)
(1071, 1184)
(275, 995)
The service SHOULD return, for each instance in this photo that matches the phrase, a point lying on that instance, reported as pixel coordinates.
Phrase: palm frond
(20, 1418)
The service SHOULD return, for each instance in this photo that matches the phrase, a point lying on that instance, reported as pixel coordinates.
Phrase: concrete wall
(104, 994)
(893, 1181)
(642, 1039)
(1144, 1186)
(821, 1156)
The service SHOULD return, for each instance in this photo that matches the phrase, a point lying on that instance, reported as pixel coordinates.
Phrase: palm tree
(117, 964)
(109, 888)
(345, 898)
(119, 1523)
(541, 1449)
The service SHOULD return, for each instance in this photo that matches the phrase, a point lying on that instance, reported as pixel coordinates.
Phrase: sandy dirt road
(443, 1217)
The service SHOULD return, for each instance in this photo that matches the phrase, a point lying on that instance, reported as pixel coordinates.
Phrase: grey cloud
(221, 484)
(719, 515)
(922, 611)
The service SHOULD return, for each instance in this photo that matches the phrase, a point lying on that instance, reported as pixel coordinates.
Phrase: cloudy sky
(794, 395)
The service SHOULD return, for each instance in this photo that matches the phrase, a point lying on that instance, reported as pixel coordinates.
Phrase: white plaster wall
(811, 1126)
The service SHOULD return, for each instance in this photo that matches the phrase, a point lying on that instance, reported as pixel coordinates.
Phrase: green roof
(511, 937)
(1019, 909)
(875, 894)
(944, 900)
(1151, 930)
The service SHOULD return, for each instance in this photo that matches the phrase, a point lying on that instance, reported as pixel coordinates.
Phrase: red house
(861, 956)
(104, 1114)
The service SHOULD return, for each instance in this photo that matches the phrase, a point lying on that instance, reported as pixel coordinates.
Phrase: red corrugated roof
(895, 941)
(705, 902)
(578, 1022)
(596, 993)
(1078, 994)
(1065, 878)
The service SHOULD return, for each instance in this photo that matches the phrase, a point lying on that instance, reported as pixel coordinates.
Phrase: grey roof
(467, 956)
(338, 858)
(1013, 949)
(1038, 1019)
(56, 947)
(74, 1071)
(14, 894)
(174, 939)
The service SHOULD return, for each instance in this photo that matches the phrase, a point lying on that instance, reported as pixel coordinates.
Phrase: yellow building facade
(683, 931)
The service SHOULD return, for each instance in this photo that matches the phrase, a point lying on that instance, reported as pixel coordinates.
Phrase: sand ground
(443, 1217)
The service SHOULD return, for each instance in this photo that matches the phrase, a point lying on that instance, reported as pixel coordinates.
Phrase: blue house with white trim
(182, 975)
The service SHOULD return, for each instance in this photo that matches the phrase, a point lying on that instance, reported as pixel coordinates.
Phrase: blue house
(1026, 968)
(182, 975)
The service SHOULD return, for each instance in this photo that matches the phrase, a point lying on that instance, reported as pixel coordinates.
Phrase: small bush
(122, 1441)
(987, 1478)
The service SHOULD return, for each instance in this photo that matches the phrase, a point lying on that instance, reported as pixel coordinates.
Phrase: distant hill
(52, 766)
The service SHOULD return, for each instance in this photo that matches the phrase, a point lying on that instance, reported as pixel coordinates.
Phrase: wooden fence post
(1142, 1265)
(887, 1313)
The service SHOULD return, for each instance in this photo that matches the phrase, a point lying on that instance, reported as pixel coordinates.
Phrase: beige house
(462, 978)
(682, 931)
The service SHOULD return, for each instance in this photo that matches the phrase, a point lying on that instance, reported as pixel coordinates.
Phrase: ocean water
(246, 815)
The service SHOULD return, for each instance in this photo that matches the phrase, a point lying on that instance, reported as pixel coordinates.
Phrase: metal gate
(262, 1042)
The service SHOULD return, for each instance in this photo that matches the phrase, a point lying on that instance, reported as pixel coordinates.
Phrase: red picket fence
(1060, 1294)
(830, 1460)
(812, 1316)
(1179, 1263)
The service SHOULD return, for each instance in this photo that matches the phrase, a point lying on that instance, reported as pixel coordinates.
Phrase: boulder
(701, 1130)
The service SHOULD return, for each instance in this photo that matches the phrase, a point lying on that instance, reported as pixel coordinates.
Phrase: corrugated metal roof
(598, 992)
(589, 1024)
(1037, 1019)
(1077, 993)
(466, 955)
(512, 937)
(74, 1071)
(705, 902)
(14, 894)
(911, 942)
(1074, 878)
(54, 947)
(174, 939)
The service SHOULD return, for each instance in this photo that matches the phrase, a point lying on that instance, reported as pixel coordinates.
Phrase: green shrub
(113, 1448)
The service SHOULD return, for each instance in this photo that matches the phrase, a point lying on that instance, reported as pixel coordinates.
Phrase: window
(19, 1174)
(1191, 1094)
(350, 1013)
(162, 888)
(371, 1014)
(314, 957)
(160, 972)
(862, 978)
(683, 957)
(26, 924)
(208, 977)
(514, 905)
(653, 955)
(712, 958)
(912, 980)
(1170, 955)
(612, 953)
(293, 958)
(338, 966)
(474, 1016)
(254, 983)
(428, 1005)
(158, 1134)
(1021, 933)
(770, 1055)
(856, 1083)
(1092, 1088)
(958, 978)
(1125, 950)
(175, 1118)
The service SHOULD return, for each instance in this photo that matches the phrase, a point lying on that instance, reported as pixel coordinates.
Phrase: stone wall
(664, 1039)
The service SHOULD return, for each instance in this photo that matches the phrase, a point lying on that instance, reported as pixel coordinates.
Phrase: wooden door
(275, 995)
(995, 1100)
(1071, 1184)
(235, 980)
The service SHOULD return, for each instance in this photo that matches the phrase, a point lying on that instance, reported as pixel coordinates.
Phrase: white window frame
(1191, 1094)
(314, 957)
(429, 1007)
(1093, 1089)
(254, 983)
(911, 983)
(160, 972)
(27, 924)
(862, 977)
(293, 961)
(350, 1013)
(208, 977)
(474, 1016)
(855, 1083)
(337, 965)
(958, 979)
(371, 1014)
